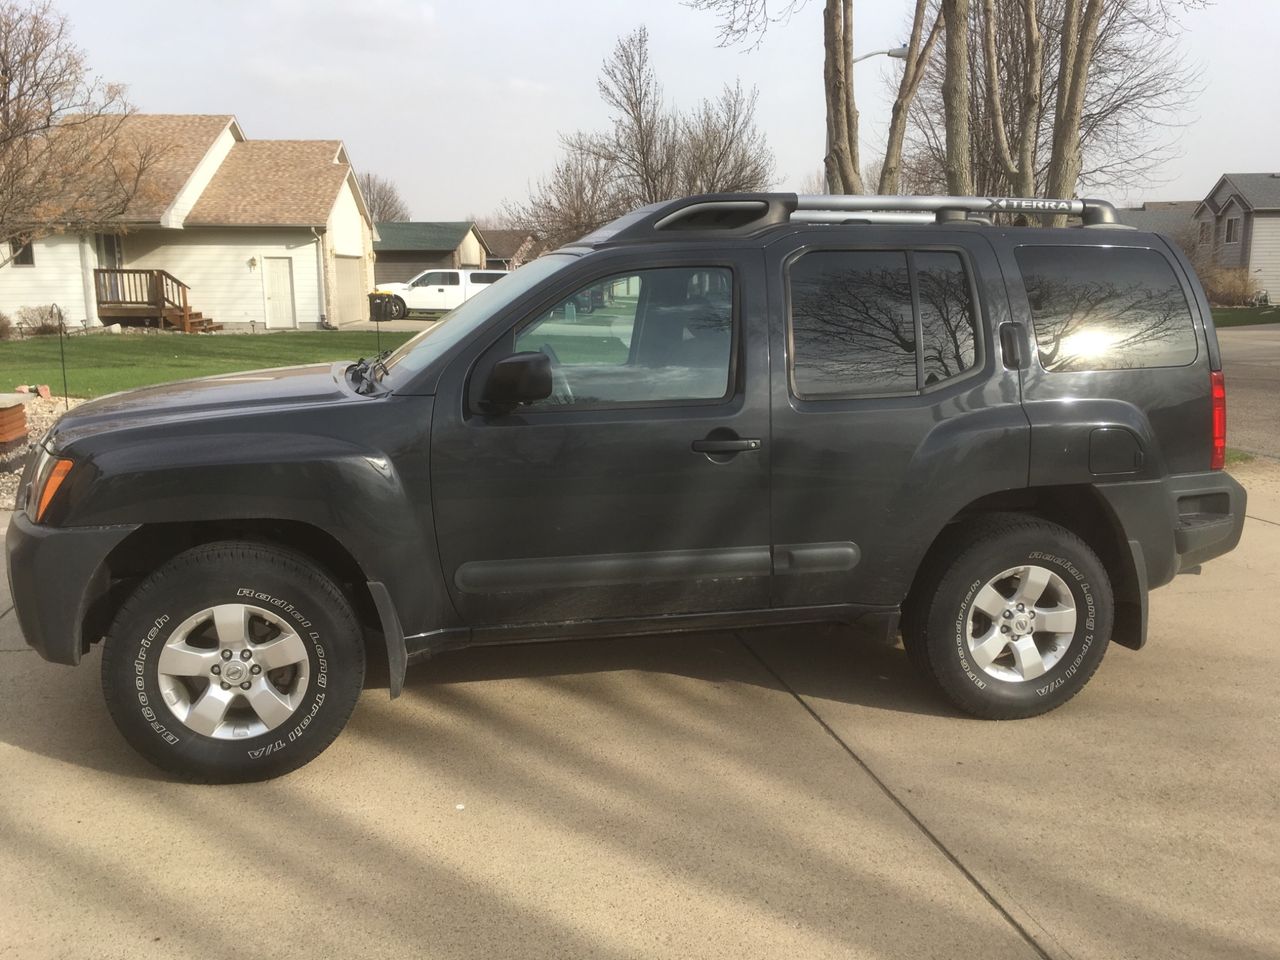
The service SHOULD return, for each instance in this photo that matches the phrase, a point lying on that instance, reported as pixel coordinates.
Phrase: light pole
(898, 53)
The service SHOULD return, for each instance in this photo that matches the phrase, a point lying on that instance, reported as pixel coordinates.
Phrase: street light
(898, 53)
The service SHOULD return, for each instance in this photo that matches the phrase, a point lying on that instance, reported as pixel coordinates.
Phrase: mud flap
(397, 654)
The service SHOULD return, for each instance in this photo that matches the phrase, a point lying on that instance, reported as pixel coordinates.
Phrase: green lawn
(1244, 316)
(104, 363)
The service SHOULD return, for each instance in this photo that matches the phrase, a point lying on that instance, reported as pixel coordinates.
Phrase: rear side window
(877, 322)
(486, 277)
(1106, 308)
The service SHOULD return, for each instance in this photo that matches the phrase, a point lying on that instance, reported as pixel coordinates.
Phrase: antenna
(62, 354)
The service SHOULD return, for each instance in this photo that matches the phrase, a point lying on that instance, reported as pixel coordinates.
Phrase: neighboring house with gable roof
(509, 249)
(273, 233)
(1238, 224)
(404, 249)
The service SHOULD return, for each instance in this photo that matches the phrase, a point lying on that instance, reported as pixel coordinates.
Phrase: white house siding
(470, 251)
(199, 179)
(347, 234)
(56, 277)
(215, 264)
(1264, 264)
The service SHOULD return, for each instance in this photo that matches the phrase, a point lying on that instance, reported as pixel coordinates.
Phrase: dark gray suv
(883, 411)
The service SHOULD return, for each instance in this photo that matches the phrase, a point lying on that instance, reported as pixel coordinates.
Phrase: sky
(461, 103)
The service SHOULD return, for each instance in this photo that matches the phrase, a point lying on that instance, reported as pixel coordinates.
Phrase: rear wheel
(233, 662)
(1013, 620)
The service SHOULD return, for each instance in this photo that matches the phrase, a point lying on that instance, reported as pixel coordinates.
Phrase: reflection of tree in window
(946, 315)
(852, 323)
(1106, 309)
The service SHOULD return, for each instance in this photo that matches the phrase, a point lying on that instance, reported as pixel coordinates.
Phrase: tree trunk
(841, 161)
(912, 74)
(1079, 33)
(955, 97)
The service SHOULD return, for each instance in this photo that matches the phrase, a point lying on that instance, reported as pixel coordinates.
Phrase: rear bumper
(1178, 522)
(55, 574)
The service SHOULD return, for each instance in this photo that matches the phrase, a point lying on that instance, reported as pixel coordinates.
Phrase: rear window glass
(1106, 308)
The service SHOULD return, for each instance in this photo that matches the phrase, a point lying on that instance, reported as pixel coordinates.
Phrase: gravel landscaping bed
(41, 415)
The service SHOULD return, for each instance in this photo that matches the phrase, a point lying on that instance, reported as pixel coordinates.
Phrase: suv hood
(232, 394)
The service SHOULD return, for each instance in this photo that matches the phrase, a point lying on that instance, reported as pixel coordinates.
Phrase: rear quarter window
(1106, 308)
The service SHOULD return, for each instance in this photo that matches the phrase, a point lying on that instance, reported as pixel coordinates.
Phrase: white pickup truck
(437, 291)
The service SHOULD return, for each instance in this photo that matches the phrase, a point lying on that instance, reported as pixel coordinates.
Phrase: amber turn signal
(56, 475)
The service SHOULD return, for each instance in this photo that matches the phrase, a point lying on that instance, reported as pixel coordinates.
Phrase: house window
(1233, 230)
(1206, 232)
(21, 254)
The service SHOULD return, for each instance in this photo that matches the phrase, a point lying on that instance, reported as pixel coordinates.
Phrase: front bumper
(55, 575)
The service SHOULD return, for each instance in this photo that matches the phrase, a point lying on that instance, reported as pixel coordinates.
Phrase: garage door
(353, 300)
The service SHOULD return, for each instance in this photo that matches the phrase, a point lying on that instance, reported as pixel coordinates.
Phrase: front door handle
(724, 446)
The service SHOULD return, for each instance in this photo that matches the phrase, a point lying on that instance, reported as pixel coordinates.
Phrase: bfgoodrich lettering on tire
(233, 662)
(1013, 620)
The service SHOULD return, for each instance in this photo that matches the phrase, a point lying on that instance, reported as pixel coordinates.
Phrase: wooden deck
(147, 298)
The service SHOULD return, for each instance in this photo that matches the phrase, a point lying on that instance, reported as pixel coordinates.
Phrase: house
(509, 249)
(403, 250)
(1238, 223)
(228, 230)
(1173, 218)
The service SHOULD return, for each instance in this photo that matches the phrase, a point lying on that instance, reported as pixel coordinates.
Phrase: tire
(966, 633)
(293, 647)
(398, 309)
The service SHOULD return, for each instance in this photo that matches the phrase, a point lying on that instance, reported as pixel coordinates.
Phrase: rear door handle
(724, 446)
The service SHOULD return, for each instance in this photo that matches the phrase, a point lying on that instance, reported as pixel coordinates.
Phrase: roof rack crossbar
(1092, 212)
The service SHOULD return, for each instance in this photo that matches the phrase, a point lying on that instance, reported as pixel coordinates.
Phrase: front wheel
(1014, 620)
(233, 662)
(398, 310)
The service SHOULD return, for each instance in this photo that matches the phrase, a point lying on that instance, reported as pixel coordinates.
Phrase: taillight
(1218, 388)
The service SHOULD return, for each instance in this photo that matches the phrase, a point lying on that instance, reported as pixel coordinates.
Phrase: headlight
(46, 479)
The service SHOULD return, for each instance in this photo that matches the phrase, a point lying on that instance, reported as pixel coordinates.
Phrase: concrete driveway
(1251, 361)
(788, 794)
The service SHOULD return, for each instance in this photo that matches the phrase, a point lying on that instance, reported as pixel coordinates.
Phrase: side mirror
(519, 378)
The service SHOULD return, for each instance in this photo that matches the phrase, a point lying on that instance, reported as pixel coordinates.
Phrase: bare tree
(651, 152)
(917, 59)
(721, 150)
(66, 162)
(1134, 86)
(955, 97)
(1079, 36)
(749, 20)
(383, 199)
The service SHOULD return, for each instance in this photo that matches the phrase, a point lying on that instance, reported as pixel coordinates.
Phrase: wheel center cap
(1021, 625)
(233, 671)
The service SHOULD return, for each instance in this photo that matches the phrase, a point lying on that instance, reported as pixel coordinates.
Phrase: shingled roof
(423, 235)
(1169, 217)
(280, 183)
(179, 142)
(505, 244)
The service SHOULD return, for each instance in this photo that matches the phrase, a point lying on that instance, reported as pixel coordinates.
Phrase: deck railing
(137, 289)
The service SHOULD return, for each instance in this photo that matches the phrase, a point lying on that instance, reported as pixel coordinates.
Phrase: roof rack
(1093, 213)
(722, 215)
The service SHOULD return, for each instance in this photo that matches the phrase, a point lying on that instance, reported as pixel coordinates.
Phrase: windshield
(457, 324)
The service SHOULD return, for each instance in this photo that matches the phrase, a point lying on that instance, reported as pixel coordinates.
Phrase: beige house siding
(470, 251)
(1264, 263)
(215, 262)
(347, 234)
